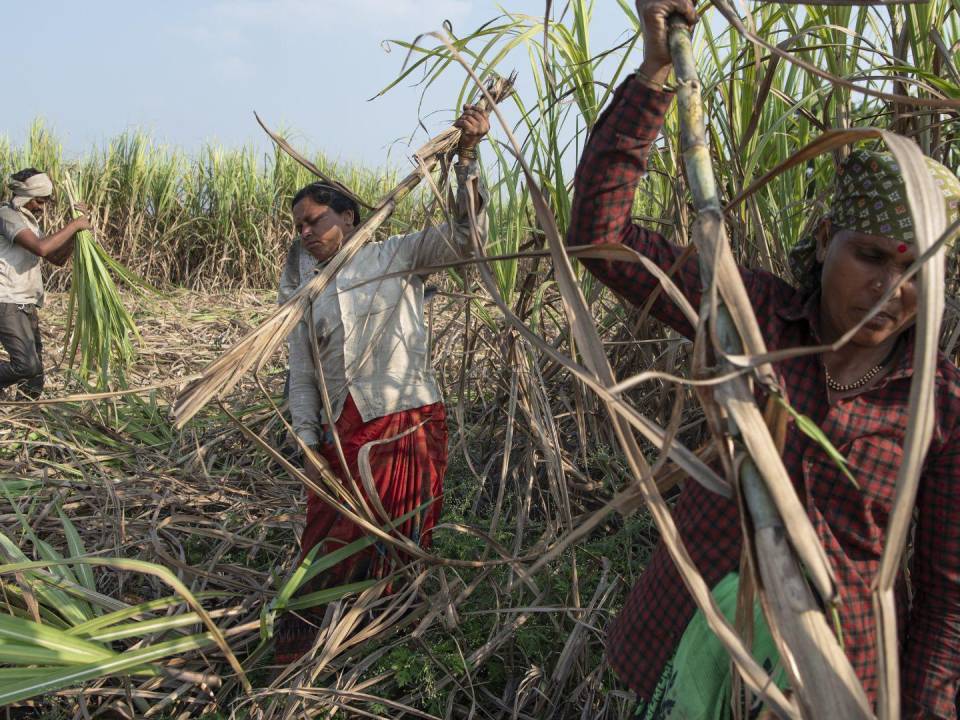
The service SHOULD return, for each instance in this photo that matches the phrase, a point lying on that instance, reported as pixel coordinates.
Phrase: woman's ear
(823, 236)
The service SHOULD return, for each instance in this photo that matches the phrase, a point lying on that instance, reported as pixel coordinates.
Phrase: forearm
(605, 184)
(54, 243)
(471, 193)
(453, 241)
(49, 244)
(60, 256)
(613, 161)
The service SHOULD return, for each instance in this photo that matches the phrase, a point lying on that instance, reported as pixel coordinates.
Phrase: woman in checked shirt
(857, 395)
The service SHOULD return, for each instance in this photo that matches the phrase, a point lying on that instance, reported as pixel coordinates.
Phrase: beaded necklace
(867, 377)
(837, 387)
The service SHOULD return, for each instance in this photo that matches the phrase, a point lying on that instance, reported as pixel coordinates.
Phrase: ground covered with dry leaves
(468, 634)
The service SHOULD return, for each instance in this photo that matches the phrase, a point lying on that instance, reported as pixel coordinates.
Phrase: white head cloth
(35, 186)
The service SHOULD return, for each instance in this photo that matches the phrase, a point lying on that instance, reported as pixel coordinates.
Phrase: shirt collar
(806, 308)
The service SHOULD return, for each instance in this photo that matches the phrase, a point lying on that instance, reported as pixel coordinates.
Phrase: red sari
(407, 472)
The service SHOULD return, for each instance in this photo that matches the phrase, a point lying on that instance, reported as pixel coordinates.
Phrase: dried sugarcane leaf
(929, 221)
(288, 149)
(585, 332)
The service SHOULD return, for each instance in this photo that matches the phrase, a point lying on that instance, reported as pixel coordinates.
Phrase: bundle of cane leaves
(99, 329)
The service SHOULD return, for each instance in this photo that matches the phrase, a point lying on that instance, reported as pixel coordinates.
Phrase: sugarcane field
(455, 359)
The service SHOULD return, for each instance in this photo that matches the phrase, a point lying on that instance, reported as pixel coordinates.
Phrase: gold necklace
(856, 384)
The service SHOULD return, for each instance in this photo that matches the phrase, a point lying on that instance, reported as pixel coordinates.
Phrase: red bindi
(902, 248)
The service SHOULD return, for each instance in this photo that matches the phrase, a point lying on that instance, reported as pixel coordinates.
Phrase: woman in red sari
(374, 378)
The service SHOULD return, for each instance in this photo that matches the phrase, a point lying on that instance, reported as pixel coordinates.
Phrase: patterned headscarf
(870, 197)
(35, 186)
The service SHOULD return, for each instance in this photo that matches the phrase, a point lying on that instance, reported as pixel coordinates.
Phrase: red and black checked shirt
(867, 428)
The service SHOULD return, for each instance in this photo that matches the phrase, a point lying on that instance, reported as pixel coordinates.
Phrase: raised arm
(614, 160)
(451, 241)
(931, 659)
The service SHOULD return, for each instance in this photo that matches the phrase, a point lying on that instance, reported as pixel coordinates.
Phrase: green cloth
(870, 197)
(696, 684)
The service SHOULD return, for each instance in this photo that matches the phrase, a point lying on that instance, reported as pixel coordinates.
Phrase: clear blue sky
(192, 72)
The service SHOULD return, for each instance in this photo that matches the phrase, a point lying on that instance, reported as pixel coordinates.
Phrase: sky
(191, 73)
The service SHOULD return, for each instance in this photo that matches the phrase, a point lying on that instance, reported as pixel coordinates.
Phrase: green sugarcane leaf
(52, 597)
(154, 626)
(47, 552)
(72, 608)
(45, 680)
(322, 597)
(101, 328)
(47, 616)
(20, 631)
(75, 543)
(166, 576)
(12, 653)
(809, 428)
(310, 567)
(118, 616)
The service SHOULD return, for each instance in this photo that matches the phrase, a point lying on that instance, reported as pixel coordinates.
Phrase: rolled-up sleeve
(447, 242)
(11, 223)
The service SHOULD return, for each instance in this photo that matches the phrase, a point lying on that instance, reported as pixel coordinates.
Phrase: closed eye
(872, 256)
(309, 221)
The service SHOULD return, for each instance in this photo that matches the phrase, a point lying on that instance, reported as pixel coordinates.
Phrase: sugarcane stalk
(820, 673)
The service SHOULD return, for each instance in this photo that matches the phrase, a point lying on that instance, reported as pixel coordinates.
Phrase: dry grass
(224, 517)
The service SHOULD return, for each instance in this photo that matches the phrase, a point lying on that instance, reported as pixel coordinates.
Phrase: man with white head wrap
(22, 245)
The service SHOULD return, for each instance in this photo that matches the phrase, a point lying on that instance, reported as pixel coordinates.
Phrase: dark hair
(811, 283)
(25, 174)
(324, 194)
